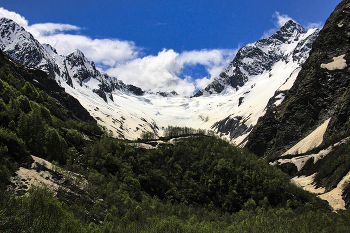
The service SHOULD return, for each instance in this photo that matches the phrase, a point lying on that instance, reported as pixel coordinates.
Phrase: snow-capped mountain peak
(288, 32)
(290, 43)
(13, 37)
(70, 70)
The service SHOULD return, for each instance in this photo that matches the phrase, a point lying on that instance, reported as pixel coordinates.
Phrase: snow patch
(334, 197)
(338, 63)
(306, 182)
(313, 140)
(290, 81)
(300, 161)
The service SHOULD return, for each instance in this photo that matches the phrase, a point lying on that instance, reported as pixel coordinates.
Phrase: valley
(263, 148)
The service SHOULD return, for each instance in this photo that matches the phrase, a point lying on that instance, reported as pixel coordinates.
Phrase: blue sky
(160, 44)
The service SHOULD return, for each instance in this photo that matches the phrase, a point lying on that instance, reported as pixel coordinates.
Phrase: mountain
(319, 93)
(307, 135)
(257, 79)
(291, 43)
(73, 69)
(261, 75)
(61, 174)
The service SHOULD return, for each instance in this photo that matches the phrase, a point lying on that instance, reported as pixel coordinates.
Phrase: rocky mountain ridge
(73, 69)
(259, 57)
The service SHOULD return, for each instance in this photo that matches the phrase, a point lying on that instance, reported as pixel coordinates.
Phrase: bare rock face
(321, 91)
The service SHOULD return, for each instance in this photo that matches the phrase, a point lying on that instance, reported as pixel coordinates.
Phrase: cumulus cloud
(14, 16)
(281, 19)
(162, 72)
(109, 52)
(43, 29)
(157, 73)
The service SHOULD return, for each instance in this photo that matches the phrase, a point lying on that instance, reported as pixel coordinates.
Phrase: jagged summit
(69, 70)
(14, 36)
(9, 26)
(289, 30)
(290, 41)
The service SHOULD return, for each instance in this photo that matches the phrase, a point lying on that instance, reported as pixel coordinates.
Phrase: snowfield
(128, 115)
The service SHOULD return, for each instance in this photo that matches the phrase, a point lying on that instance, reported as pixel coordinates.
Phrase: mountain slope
(291, 43)
(41, 80)
(72, 69)
(258, 78)
(319, 93)
(265, 70)
(307, 135)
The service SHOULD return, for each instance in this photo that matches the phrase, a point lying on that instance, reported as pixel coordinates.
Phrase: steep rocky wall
(317, 94)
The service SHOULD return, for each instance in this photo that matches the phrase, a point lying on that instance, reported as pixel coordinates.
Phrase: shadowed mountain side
(41, 80)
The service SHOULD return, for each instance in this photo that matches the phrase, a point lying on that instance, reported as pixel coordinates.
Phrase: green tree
(56, 146)
(148, 135)
(24, 104)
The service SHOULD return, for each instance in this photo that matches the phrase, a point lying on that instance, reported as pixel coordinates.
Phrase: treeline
(176, 131)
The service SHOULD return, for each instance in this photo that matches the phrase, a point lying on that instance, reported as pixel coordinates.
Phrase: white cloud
(162, 72)
(281, 19)
(203, 83)
(314, 25)
(42, 29)
(14, 16)
(158, 73)
(106, 51)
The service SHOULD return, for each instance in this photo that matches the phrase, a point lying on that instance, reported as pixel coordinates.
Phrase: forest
(201, 183)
